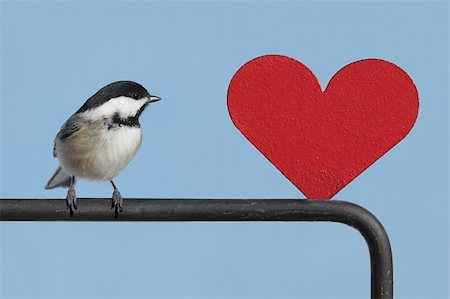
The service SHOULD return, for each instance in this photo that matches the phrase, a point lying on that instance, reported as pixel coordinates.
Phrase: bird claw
(117, 202)
(71, 200)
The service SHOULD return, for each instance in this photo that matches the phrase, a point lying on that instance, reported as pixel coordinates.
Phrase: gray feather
(72, 125)
(69, 127)
(59, 179)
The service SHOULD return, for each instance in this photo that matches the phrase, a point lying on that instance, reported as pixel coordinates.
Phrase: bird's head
(123, 98)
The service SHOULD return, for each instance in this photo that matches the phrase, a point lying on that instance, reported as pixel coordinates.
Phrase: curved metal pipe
(223, 210)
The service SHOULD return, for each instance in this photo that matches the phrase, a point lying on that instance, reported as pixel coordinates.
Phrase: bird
(100, 139)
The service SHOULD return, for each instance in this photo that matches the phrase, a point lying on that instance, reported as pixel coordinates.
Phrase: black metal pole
(223, 210)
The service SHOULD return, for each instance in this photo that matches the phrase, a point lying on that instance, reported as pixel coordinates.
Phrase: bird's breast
(97, 152)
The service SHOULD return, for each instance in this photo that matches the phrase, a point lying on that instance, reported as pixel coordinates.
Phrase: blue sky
(55, 55)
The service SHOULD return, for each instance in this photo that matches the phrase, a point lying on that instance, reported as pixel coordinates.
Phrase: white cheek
(125, 106)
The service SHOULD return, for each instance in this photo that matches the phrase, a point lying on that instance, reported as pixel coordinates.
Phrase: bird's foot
(71, 200)
(117, 202)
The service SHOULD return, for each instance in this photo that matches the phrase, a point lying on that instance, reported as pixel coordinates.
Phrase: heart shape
(319, 140)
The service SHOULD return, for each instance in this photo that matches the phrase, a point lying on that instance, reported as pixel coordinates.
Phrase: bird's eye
(135, 95)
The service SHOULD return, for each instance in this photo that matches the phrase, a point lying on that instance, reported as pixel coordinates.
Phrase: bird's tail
(59, 179)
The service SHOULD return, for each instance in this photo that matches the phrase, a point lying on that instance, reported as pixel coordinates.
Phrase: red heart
(319, 140)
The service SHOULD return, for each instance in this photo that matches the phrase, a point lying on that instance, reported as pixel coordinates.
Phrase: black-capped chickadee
(99, 140)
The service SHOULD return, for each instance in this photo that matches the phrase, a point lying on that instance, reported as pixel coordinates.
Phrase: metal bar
(223, 210)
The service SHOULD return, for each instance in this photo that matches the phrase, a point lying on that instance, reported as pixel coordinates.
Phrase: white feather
(115, 150)
(102, 157)
(125, 106)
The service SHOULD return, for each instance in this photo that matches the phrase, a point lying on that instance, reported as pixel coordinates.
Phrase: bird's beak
(154, 99)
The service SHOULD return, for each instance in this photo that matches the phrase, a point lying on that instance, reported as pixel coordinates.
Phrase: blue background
(55, 55)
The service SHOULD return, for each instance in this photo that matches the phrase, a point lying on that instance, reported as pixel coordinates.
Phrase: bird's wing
(72, 125)
(61, 178)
